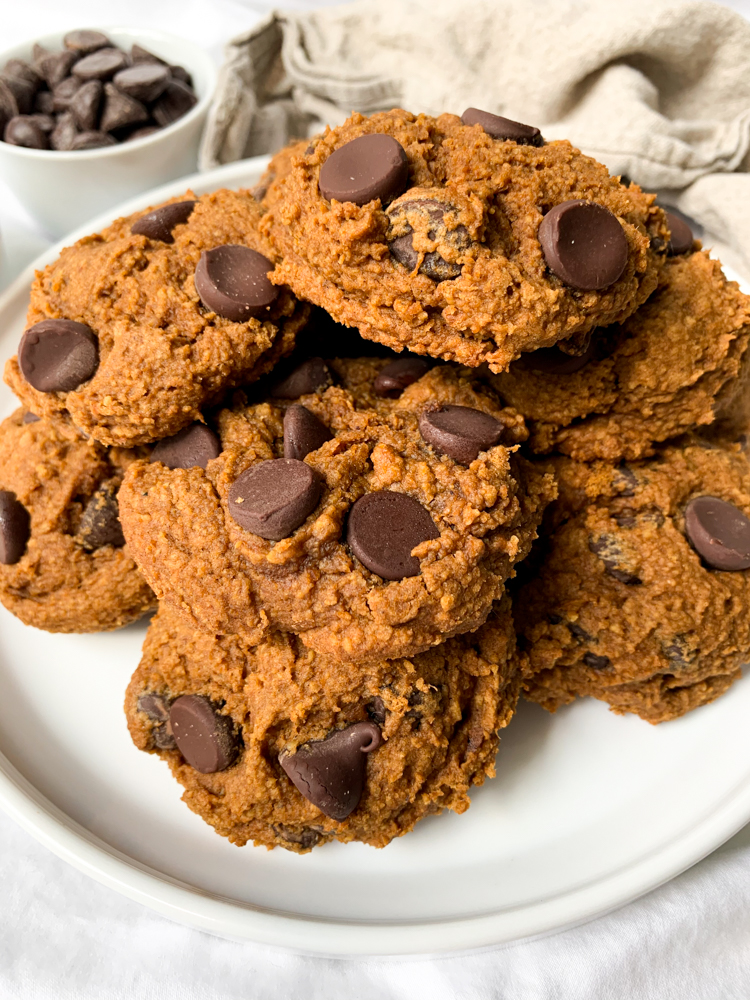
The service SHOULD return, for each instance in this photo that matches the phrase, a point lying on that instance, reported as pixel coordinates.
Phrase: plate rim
(188, 905)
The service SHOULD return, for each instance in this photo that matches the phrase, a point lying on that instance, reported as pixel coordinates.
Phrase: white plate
(588, 810)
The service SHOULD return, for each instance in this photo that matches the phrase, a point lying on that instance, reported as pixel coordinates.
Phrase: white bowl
(63, 190)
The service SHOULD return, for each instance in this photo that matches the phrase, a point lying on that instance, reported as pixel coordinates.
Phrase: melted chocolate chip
(391, 380)
(274, 498)
(382, 530)
(553, 361)
(376, 710)
(583, 244)
(596, 662)
(145, 81)
(15, 528)
(312, 375)
(306, 837)
(58, 355)
(460, 432)
(503, 128)
(205, 738)
(369, 167)
(30, 418)
(100, 521)
(232, 281)
(719, 532)
(156, 707)
(432, 218)
(610, 553)
(160, 223)
(681, 235)
(330, 773)
(193, 447)
(303, 432)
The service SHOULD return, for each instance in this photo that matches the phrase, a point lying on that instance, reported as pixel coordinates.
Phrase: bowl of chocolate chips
(91, 117)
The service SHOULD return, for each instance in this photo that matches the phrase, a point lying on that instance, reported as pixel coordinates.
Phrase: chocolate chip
(383, 528)
(303, 432)
(578, 632)
(596, 662)
(142, 133)
(100, 65)
(45, 122)
(719, 533)
(8, 103)
(460, 432)
(38, 53)
(160, 223)
(58, 355)
(205, 738)
(64, 93)
(140, 55)
(92, 140)
(181, 74)
(624, 481)
(553, 361)
(44, 102)
(625, 180)
(583, 244)
(681, 652)
(155, 706)
(175, 102)
(376, 710)
(145, 81)
(233, 282)
(65, 132)
(120, 110)
(15, 528)
(391, 380)
(312, 375)
(22, 70)
(307, 837)
(193, 447)
(23, 131)
(85, 41)
(163, 737)
(22, 90)
(610, 553)
(431, 218)
(273, 499)
(369, 167)
(55, 66)
(30, 418)
(681, 235)
(100, 521)
(84, 105)
(330, 773)
(503, 128)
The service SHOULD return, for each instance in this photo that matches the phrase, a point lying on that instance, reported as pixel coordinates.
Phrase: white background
(63, 935)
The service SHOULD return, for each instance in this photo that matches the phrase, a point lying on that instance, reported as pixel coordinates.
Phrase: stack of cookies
(437, 414)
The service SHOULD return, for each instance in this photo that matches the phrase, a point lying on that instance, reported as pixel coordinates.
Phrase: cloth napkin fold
(656, 89)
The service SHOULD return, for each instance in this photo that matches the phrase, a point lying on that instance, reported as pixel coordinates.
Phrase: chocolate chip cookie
(369, 529)
(459, 240)
(64, 566)
(641, 597)
(681, 361)
(134, 331)
(282, 746)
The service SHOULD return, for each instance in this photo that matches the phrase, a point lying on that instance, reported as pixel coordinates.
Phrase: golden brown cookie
(444, 241)
(374, 542)
(679, 362)
(64, 566)
(642, 591)
(157, 351)
(277, 718)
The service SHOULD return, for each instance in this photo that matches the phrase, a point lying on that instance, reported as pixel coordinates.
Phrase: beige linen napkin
(656, 89)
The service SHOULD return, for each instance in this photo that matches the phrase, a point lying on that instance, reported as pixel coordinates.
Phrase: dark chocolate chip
(719, 532)
(15, 528)
(624, 481)
(55, 66)
(681, 235)
(430, 216)
(369, 167)
(680, 652)
(58, 355)
(38, 53)
(142, 133)
(596, 662)
(578, 632)
(155, 706)
(140, 55)
(22, 90)
(120, 110)
(193, 447)
(303, 432)
(24, 131)
(44, 102)
(274, 498)
(391, 380)
(144, 81)
(383, 528)
(8, 103)
(503, 128)
(100, 521)
(85, 41)
(45, 122)
(84, 105)
(159, 224)
(24, 71)
(100, 65)
(175, 102)
(205, 738)
(181, 74)
(64, 93)
(610, 553)
(553, 361)
(312, 375)
(330, 773)
(460, 432)
(583, 244)
(376, 710)
(93, 140)
(65, 132)
(30, 418)
(163, 737)
(307, 837)
(233, 282)
(625, 180)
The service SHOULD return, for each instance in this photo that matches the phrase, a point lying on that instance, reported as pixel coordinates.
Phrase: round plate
(588, 810)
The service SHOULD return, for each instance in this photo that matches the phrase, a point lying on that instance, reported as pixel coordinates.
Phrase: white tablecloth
(64, 936)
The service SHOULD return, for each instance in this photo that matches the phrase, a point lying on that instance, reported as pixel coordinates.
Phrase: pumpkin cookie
(642, 593)
(135, 331)
(457, 241)
(369, 528)
(64, 566)
(282, 746)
